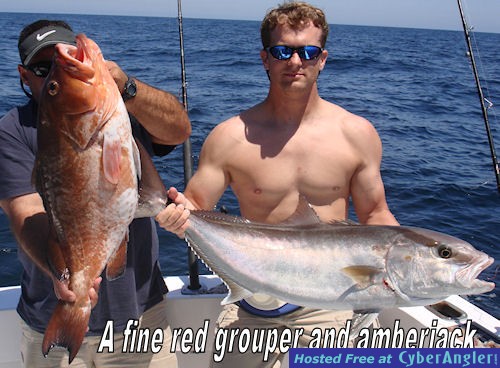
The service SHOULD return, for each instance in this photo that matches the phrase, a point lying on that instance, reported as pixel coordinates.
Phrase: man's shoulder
(358, 130)
(354, 124)
(224, 140)
(228, 128)
(19, 118)
(9, 119)
(234, 122)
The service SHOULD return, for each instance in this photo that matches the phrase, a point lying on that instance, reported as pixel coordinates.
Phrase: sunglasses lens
(309, 52)
(41, 69)
(281, 52)
(41, 72)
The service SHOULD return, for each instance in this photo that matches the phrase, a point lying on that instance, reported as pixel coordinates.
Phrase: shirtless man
(294, 142)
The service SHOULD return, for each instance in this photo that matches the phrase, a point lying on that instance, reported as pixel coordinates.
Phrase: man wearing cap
(159, 122)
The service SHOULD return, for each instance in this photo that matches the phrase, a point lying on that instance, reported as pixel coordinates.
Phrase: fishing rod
(194, 280)
(481, 96)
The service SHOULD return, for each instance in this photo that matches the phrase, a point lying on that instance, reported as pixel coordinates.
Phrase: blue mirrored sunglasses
(282, 52)
(40, 69)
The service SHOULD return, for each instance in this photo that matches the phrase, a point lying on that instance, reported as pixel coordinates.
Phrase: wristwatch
(130, 89)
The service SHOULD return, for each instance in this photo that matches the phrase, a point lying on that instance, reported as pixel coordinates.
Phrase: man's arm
(211, 179)
(30, 226)
(367, 187)
(203, 190)
(159, 112)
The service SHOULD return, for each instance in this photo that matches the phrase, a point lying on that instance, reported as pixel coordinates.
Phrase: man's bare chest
(309, 170)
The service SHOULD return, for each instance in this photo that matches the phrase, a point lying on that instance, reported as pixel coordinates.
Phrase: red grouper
(88, 168)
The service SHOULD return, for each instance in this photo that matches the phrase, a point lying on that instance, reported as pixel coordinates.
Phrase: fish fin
(362, 275)
(344, 222)
(153, 195)
(360, 320)
(137, 156)
(118, 261)
(55, 258)
(111, 157)
(67, 328)
(304, 214)
(236, 293)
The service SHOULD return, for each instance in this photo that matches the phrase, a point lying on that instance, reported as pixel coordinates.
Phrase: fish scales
(86, 171)
(264, 250)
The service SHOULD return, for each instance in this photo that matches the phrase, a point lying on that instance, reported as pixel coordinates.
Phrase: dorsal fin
(347, 222)
(304, 214)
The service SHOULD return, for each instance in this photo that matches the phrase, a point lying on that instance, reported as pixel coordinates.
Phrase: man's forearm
(161, 114)
(30, 225)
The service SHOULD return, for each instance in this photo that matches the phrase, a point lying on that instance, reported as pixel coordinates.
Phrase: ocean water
(414, 85)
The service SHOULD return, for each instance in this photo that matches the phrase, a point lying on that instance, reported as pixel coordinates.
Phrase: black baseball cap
(43, 37)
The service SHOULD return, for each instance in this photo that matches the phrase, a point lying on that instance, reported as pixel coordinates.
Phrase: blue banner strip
(393, 358)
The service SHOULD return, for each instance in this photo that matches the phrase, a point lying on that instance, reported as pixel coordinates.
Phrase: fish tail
(67, 328)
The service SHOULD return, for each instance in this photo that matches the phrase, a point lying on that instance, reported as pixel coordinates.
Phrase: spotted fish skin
(87, 169)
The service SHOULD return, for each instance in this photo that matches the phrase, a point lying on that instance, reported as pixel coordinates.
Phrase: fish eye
(444, 251)
(53, 88)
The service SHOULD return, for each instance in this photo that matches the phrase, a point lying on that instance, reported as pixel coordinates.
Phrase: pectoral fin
(362, 275)
(111, 157)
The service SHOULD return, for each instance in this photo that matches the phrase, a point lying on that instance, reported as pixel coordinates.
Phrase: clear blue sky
(483, 15)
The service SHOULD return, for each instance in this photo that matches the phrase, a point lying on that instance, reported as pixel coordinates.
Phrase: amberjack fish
(87, 169)
(337, 266)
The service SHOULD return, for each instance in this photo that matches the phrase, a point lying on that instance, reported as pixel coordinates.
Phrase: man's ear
(22, 73)
(323, 56)
(264, 56)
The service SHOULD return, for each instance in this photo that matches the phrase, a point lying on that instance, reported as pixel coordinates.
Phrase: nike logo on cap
(40, 37)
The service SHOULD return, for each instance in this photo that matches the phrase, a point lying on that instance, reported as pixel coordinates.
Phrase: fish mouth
(76, 60)
(467, 277)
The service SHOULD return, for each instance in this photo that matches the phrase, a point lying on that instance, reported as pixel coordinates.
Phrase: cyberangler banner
(393, 358)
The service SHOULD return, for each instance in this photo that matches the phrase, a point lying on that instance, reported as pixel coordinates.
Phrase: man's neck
(292, 108)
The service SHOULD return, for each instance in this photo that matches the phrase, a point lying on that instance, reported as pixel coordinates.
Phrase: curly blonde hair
(295, 14)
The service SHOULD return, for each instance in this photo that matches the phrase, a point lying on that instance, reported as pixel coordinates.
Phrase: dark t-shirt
(138, 289)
